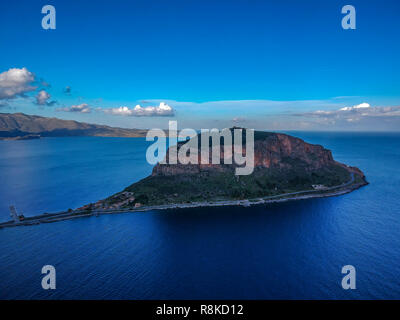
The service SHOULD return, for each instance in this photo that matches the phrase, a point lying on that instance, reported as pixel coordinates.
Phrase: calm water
(289, 250)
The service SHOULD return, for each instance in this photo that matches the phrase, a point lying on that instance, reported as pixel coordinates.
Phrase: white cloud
(360, 110)
(122, 111)
(358, 106)
(16, 82)
(162, 110)
(361, 113)
(81, 108)
(42, 97)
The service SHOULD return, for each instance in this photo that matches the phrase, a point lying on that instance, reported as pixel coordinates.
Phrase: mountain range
(17, 126)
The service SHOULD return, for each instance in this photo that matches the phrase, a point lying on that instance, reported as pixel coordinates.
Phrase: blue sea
(291, 250)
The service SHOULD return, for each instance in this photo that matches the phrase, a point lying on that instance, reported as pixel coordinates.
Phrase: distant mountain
(22, 126)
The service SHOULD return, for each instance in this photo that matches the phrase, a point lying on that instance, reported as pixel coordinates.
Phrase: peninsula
(20, 126)
(286, 168)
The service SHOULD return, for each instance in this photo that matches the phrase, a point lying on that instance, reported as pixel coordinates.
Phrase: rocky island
(285, 168)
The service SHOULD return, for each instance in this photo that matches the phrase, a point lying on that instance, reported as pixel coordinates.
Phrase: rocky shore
(81, 213)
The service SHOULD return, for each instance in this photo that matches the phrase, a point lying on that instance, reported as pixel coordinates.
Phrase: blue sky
(262, 64)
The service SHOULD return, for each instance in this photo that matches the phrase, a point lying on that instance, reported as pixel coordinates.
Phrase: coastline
(300, 195)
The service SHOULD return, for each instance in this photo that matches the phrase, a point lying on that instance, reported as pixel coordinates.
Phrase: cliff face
(275, 151)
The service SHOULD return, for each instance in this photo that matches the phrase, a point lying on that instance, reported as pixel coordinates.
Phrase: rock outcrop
(282, 165)
(271, 151)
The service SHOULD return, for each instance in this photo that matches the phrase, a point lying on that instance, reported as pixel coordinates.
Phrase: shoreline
(300, 195)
